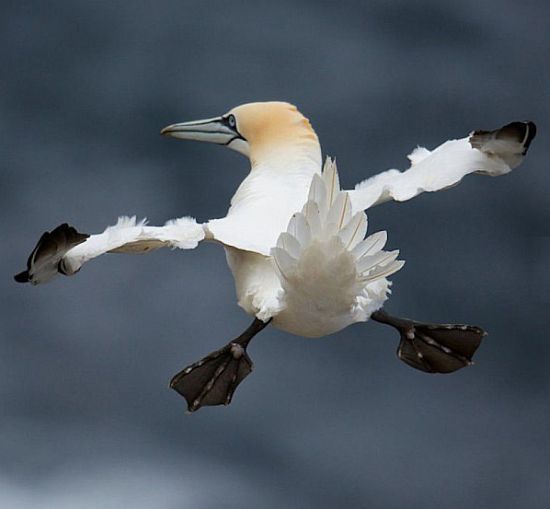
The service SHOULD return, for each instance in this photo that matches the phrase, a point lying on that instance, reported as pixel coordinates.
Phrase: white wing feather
(64, 250)
(135, 237)
(492, 153)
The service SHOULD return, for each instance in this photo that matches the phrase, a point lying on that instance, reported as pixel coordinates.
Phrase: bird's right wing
(491, 153)
(64, 250)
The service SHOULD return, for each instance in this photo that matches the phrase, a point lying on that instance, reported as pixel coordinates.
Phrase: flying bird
(295, 241)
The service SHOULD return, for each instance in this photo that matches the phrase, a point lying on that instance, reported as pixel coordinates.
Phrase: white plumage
(295, 242)
(131, 236)
(330, 275)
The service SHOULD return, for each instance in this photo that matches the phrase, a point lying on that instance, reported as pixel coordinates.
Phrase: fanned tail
(326, 265)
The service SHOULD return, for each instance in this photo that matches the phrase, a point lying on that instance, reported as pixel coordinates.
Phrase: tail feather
(383, 271)
(326, 265)
(371, 244)
(318, 192)
(313, 217)
(288, 243)
(299, 228)
(339, 214)
(284, 262)
(354, 232)
(331, 180)
(381, 258)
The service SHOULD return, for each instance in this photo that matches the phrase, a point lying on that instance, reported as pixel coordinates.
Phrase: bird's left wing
(491, 153)
(64, 250)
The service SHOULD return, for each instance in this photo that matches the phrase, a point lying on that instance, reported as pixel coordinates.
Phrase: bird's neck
(278, 183)
(295, 149)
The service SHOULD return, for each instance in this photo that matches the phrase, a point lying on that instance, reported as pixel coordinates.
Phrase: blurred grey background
(87, 420)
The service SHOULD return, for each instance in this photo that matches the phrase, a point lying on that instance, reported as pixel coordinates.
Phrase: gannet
(295, 241)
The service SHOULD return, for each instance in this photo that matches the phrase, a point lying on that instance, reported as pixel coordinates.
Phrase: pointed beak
(213, 130)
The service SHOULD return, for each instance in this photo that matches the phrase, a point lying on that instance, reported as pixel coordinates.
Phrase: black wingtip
(532, 132)
(521, 132)
(518, 132)
(49, 251)
(22, 277)
(509, 143)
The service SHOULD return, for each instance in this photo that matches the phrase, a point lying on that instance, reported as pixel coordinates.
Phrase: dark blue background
(86, 418)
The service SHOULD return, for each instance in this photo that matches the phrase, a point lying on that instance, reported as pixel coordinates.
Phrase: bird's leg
(432, 347)
(213, 379)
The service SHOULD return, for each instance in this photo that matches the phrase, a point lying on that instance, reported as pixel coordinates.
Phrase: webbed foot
(431, 347)
(213, 380)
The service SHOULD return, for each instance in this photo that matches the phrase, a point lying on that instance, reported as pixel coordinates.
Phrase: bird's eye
(231, 121)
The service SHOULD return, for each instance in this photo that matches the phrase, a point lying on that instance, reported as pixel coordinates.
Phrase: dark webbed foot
(213, 380)
(434, 348)
(46, 259)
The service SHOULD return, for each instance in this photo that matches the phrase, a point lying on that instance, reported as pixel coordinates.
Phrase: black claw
(434, 348)
(214, 379)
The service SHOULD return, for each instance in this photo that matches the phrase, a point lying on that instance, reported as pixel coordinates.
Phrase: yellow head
(256, 130)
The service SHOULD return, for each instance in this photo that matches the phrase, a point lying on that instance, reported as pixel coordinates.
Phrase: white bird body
(311, 283)
(293, 240)
(265, 201)
(320, 295)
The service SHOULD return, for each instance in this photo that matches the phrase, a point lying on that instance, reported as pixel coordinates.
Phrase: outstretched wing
(64, 250)
(491, 153)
